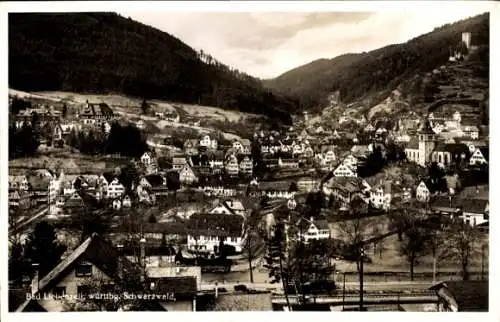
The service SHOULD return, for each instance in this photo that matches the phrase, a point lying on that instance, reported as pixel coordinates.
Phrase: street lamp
(361, 261)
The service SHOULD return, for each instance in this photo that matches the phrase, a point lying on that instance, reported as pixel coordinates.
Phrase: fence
(405, 276)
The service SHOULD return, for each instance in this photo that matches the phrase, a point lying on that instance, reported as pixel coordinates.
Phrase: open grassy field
(132, 105)
(70, 162)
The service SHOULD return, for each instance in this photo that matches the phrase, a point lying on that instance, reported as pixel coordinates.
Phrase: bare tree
(462, 240)
(408, 220)
(356, 229)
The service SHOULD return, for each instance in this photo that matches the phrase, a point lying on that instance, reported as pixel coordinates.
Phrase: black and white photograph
(187, 161)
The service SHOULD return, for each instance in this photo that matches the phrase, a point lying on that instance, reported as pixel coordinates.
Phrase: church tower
(426, 143)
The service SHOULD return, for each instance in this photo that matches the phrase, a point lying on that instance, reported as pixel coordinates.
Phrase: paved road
(349, 286)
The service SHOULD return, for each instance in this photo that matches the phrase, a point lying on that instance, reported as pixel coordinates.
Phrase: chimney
(120, 261)
(142, 259)
(35, 281)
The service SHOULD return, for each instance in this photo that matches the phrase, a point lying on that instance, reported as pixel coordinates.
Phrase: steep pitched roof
(154, 179)
(485, 151)
(413, 144)
(475, 206)
(426, 128)
(178, 285)
(215, 224)
(95, 250)
(445, 202)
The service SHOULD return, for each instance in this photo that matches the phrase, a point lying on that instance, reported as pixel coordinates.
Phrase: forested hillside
(107, 53)
(358, 75)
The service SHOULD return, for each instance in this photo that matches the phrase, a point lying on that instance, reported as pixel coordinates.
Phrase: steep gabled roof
(426, 128)
(215, 224)
(475, 206)
(413, 144)
(95, 250)
(485, 151)
(154, 179)
(178, 285)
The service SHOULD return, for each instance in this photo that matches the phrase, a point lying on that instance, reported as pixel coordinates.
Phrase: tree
(436, 178)
(129, 176)
(173, 181)
(413, 245)
(145, 107)
(275, 257)
(43, 248)
(462, 240)
(64, 110)
(436, 227)
(355, 230)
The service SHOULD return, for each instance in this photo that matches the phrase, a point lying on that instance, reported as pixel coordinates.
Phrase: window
(59, 291)
(83, 290)
(83, 270)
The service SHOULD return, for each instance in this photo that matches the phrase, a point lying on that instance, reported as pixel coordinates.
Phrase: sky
(267, 44)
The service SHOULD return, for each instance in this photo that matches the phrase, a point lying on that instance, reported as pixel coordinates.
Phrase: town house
(246, 166)
(475, 211)
(206, 231)
(229, 207)
(96, 114)
(346, 189)
(19, 182)
(343, 170)
(140, 124)
(292, 163)
(178, 162)
(480, 156)
(172, 116)
(351, 161)
(307, 184)
(328, 153)
(115, 189)
(147, 159)
(313, 229)
(381, 195)
(423, 193)
(95, 260)
(231, 165)
(242, 146)
(274, 189)
(209, 143)
(191, 147)
(187, 175)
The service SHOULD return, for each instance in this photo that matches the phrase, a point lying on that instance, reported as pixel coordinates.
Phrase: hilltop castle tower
(467, 38)
(426, 143)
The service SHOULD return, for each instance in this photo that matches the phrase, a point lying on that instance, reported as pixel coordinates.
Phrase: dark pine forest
(108, 53)
(358, 75)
